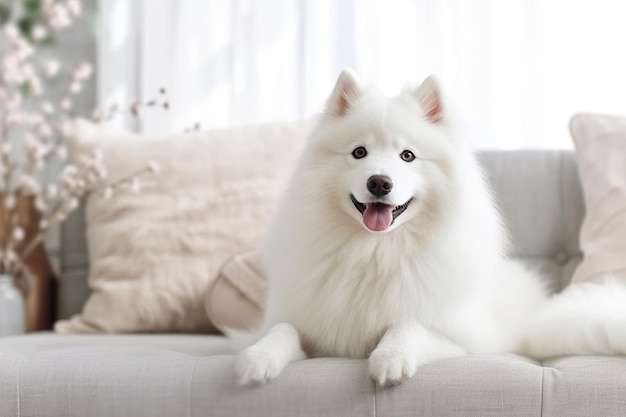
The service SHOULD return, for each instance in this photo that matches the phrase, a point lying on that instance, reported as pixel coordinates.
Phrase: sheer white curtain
(516, 70)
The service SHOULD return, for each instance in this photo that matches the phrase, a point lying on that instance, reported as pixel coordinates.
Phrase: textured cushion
(582, 386)
(539, 195)
(468, 386)
(153, 254)
(110, 375)
(105, 379)
(201, 345)
(236, 299)
(601, 153)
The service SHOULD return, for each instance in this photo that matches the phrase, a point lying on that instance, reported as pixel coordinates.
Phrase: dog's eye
(359, 152)
(407, 156)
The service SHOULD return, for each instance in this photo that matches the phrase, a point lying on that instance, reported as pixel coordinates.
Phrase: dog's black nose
(379, 185)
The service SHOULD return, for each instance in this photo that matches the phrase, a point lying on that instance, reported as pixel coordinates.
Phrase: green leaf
(32, 7)
(5, 13)
(25, 89)
(47, 41)
(25, 25)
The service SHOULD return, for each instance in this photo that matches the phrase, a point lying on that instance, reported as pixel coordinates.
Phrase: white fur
(586, 318)
(436, 284)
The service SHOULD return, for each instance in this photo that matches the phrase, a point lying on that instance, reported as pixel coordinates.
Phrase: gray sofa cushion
(103, 378)
(200, 345)
(540, 197)
(584, 386)
(470, 386)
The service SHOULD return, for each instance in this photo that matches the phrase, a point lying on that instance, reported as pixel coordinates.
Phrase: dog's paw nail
(256, 366)
(389, 367)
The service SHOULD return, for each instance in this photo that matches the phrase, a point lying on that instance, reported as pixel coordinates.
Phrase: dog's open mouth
(379, 216)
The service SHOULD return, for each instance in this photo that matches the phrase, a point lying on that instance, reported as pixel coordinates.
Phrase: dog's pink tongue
(377, 216)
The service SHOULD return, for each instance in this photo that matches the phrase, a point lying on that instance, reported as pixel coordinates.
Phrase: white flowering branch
(33, 127)
(135, 109)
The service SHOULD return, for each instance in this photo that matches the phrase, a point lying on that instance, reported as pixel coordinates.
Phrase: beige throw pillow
(601, 154)
(236, 299)
(153, 254)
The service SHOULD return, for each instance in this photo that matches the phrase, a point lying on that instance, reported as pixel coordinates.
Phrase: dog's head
(382, 156)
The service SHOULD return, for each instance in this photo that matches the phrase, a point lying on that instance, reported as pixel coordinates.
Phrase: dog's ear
(345, 93)
(428, 94)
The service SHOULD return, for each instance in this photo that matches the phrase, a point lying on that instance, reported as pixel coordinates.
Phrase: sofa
(539, 193)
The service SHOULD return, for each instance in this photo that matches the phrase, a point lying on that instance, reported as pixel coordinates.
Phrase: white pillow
(601, 154)
(154, 253)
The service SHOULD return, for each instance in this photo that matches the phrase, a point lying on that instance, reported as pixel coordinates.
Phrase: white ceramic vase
(12, 309)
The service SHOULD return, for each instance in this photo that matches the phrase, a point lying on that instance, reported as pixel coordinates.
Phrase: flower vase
(35, 280)
(12, 312)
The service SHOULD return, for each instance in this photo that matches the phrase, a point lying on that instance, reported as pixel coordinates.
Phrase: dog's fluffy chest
(351, 298)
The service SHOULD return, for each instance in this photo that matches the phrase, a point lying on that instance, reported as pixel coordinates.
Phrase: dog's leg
(404, 348)
(266, 359)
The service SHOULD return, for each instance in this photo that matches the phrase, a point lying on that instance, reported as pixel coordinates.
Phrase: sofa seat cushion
(119, 379)
(170, 375)
(166, 375)
(198, 345)
(585, 386)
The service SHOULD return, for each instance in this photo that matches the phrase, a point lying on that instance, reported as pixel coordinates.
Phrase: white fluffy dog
(387, 246)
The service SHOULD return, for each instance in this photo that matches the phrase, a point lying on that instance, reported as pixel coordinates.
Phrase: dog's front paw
(256, 365)
(391, 366)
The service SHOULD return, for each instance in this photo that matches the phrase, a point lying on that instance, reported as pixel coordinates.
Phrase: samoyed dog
(387, 246)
